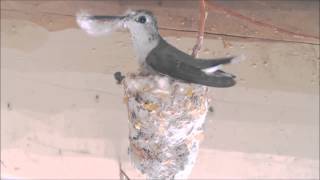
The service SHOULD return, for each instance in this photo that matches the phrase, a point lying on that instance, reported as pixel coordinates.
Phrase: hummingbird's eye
(142, 19)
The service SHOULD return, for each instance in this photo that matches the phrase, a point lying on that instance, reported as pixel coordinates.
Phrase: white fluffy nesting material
(96, 27)
(165, 124)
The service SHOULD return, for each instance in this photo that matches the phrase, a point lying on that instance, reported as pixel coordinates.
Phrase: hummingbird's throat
(144, 43)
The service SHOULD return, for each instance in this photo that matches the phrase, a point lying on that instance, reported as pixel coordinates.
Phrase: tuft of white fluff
(95, 27)
(213, 69)
(238, 59)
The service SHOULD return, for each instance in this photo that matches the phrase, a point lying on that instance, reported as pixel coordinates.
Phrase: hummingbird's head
(139, 22)
(142, 25)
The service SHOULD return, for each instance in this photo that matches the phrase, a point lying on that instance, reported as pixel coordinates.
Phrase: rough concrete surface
(62, 114)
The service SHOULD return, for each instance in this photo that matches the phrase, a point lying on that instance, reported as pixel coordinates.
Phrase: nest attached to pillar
(165, 124)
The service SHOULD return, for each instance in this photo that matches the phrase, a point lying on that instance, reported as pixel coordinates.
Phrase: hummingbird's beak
(107, 18)
(100, 24)
(120, 20)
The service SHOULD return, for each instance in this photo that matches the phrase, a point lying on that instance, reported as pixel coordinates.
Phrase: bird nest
(165, 124)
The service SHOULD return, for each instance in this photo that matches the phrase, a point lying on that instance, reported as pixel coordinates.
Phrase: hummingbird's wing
(171, 65)
(175, 68)
(172, 62)
(199, 63)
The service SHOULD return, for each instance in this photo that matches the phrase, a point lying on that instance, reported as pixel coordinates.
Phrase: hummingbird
(155, 55)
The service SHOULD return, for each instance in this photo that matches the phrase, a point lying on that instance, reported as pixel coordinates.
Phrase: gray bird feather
(168, 60)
